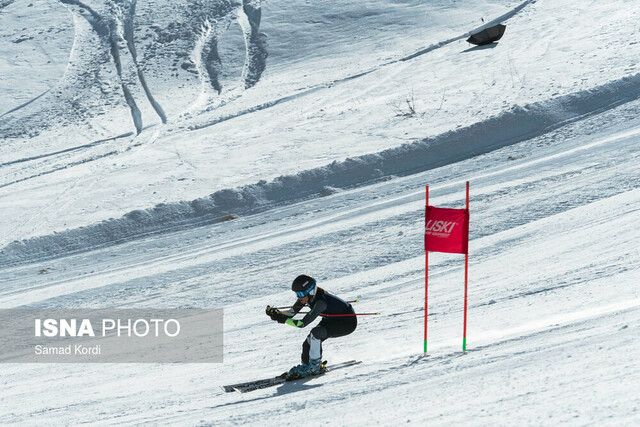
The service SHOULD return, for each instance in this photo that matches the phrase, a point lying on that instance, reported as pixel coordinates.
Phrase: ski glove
(275, 314)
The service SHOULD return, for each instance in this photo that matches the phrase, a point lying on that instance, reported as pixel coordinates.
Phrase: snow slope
(310, 170)
(86, 175)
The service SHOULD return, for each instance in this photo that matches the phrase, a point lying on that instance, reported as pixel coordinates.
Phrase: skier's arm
(297, 306)
(310, 317)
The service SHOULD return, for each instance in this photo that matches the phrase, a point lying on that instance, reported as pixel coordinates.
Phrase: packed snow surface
(202, 154)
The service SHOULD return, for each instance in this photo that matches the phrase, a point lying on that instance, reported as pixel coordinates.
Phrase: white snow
(311, 170)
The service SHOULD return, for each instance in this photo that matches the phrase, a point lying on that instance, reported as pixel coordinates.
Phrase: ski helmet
(304, 285)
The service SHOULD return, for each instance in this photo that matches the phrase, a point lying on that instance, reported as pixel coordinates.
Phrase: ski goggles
(302, 294)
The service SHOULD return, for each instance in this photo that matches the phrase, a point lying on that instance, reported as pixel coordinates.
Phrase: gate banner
(446, 230)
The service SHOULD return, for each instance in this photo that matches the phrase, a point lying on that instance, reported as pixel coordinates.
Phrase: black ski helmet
(304, 285)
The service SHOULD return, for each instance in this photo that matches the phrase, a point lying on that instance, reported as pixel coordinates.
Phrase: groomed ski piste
(234, 148)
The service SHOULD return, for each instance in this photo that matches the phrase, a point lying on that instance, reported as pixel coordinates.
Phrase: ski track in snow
(68, 150)
(24, 105)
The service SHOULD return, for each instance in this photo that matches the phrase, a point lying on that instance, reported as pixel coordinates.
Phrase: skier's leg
(312, 346)
(327, 328)
(305, 351)
(339, 327)
(317, 335)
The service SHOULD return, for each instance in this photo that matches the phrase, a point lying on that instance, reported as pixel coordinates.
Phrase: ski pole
(290, 306)
(355, 314)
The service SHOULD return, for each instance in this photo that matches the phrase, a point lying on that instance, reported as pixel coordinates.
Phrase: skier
(320, 302)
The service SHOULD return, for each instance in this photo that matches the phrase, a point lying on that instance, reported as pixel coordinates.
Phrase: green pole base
(464, 344)
(425, 346)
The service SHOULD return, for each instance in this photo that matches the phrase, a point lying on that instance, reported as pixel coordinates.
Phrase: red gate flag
(446, 230)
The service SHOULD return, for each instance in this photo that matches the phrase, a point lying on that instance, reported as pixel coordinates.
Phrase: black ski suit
(329, 327)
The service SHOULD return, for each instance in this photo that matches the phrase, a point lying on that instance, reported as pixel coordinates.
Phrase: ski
(281, 379)
(260, 385)
(232, 387)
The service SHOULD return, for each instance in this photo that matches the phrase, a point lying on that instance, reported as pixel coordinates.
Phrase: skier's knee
(319, 332)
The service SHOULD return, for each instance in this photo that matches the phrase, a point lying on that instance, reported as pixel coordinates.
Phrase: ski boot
(314, 367)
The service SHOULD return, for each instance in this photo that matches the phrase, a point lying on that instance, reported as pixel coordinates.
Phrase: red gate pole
(466, 277)
(426, 281)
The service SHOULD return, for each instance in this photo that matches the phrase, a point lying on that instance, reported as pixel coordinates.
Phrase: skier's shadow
(295, 386)
(286, 388)
(483, 47)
